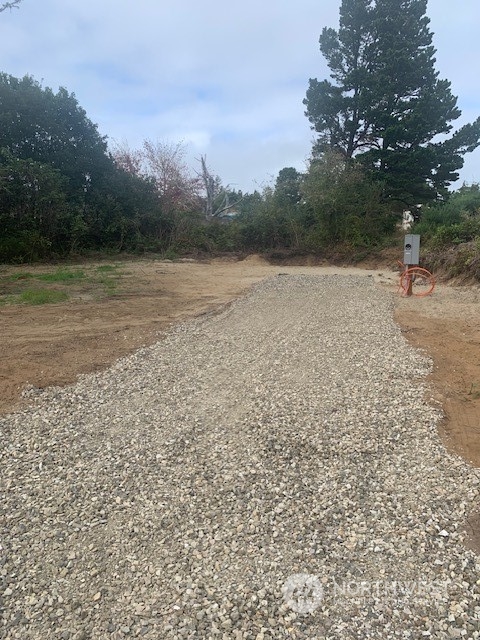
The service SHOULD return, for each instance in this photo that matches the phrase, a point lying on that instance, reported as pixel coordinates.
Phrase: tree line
(384, 143)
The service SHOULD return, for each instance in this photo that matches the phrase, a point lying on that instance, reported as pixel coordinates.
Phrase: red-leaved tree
(165, 164)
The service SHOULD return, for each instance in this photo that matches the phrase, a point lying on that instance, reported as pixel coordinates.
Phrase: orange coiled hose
(410, 274)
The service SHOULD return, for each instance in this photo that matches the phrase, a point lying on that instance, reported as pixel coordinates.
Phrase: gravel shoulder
(174, 495)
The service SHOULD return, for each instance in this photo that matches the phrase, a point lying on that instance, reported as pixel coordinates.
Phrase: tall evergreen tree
(385, 104)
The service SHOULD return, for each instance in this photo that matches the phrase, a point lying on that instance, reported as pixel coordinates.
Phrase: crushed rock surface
(179, 493)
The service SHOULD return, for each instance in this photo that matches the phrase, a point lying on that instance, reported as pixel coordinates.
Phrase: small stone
(291, 435)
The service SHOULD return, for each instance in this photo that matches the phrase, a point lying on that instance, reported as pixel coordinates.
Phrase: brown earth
(446, 326)
(51, 344)
(137, 300)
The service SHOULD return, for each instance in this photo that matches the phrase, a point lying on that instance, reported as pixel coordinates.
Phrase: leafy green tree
(385, 104)
(123, 212)
(265, 223)
(343, 205)
(467, 199)
(288, 186)
(249, 203)
(60, 189)
(33, 208)
(51, 128)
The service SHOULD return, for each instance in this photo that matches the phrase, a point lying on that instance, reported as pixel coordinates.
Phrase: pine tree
(385, 104)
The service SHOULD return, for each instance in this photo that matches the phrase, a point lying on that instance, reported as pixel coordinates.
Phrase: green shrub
(62, 275)
(24, 275)
(42, 296)
(107, 268)
(466, 231)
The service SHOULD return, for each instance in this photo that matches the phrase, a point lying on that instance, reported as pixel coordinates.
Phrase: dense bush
(451, 234)
(452, 222)
(61, 192)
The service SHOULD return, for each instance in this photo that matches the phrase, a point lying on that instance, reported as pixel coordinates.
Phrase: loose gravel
(273, 471)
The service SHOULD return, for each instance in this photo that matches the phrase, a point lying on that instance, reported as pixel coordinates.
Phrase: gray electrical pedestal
(411, 249)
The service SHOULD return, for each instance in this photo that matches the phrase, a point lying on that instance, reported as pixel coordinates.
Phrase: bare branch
(130, 160)
(227, 207)
(211, 186)
(213, 190)
(10, 5)
(165, 163)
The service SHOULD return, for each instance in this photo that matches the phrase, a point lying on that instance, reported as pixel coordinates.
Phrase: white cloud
(228, 78)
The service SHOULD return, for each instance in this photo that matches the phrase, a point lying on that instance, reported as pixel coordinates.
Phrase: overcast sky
(226, 78)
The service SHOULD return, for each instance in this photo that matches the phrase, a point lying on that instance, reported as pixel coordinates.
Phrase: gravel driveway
(270, 472)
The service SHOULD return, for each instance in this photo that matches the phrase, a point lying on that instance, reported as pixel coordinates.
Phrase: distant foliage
(60, 190)
(346, 205)
(63, 192)
(454, 221)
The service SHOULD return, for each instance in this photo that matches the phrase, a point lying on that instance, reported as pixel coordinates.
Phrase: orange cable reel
(416, 281)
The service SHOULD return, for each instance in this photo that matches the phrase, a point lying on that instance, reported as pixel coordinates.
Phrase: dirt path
(51, 344)
(446, 326)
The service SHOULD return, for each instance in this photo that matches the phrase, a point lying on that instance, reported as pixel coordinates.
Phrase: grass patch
(110, 284)
(25, 275)
(107, 268)
(42, 296)
(63, 275)
(108, 275)
(90, 281)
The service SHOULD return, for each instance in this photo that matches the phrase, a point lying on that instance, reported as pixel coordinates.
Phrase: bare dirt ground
(51, 344)
(446, 326)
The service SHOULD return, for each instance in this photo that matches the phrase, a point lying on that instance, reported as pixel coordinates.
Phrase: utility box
(411, 249)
